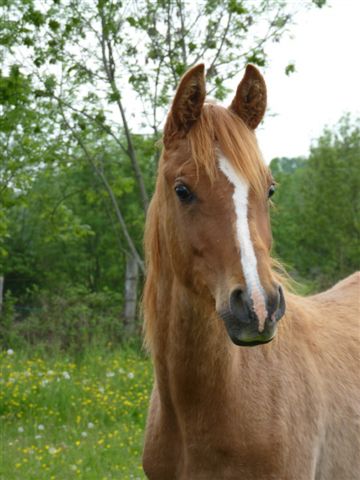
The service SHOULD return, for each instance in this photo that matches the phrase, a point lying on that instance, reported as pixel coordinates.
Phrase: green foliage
(230, 34)
(316, 221)
(71, 319)
(8, 334)
(64, 253)
(175, 35)
(319, 3)
(290, 69)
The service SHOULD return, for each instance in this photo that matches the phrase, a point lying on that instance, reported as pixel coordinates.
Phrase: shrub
(70, 319)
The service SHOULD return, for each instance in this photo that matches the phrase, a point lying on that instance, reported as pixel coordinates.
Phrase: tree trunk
(130, 297)
(1, 292)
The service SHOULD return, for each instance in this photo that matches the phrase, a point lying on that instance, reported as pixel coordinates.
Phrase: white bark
(1, 291)
(130, 297)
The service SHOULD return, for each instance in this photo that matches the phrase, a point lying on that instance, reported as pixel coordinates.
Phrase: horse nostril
(280, 310)
(236, 298)
(240, 305)
(236, 295)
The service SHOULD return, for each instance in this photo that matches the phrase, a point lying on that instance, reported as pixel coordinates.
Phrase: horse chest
(226, 426)
(205, 437)
(197, 448)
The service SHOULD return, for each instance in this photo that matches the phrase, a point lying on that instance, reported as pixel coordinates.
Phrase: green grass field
(63, 419)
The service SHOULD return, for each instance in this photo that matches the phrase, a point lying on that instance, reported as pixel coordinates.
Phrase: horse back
(336, 341)
(346, 291)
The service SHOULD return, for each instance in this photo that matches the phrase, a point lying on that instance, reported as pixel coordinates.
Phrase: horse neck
(190, 344)
(191, 350)
(196, 331)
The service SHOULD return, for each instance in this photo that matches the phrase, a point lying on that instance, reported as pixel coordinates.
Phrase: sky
(326, 51)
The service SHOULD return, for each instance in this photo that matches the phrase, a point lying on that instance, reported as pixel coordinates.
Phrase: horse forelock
(218, 129)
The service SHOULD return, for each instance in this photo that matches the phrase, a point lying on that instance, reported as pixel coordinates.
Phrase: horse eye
(184, 193)
(272, 190)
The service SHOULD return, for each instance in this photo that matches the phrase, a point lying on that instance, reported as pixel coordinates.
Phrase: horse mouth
(246, 334)
(261, 340)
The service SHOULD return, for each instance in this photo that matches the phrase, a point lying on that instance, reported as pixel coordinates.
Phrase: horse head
(213, 199)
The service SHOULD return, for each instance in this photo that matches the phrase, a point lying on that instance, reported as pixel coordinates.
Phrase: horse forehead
(179, 151)
(178, 162)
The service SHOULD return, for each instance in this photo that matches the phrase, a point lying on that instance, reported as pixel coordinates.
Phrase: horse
(252, 382)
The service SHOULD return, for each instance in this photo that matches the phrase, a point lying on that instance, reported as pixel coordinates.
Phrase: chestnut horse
(285, 409)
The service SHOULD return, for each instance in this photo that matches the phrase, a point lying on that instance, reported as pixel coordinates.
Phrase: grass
(63, 419)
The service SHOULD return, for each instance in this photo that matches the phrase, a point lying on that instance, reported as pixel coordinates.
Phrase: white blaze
(247, 254)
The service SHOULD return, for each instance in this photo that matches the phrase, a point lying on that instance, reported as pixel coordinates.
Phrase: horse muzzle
(242, 323)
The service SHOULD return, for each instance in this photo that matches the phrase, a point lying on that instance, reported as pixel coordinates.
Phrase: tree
(317, 216)
(286, 206)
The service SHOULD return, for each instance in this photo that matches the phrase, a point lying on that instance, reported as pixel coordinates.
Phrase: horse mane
(217, 129)
(153, 266)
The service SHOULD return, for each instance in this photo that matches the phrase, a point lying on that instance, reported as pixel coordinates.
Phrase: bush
(70, 319)
(9, 337)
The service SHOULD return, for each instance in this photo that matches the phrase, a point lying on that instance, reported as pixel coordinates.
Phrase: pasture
(64, 419)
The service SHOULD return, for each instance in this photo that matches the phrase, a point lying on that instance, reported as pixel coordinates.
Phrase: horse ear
(187, 104)
(250, 99)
